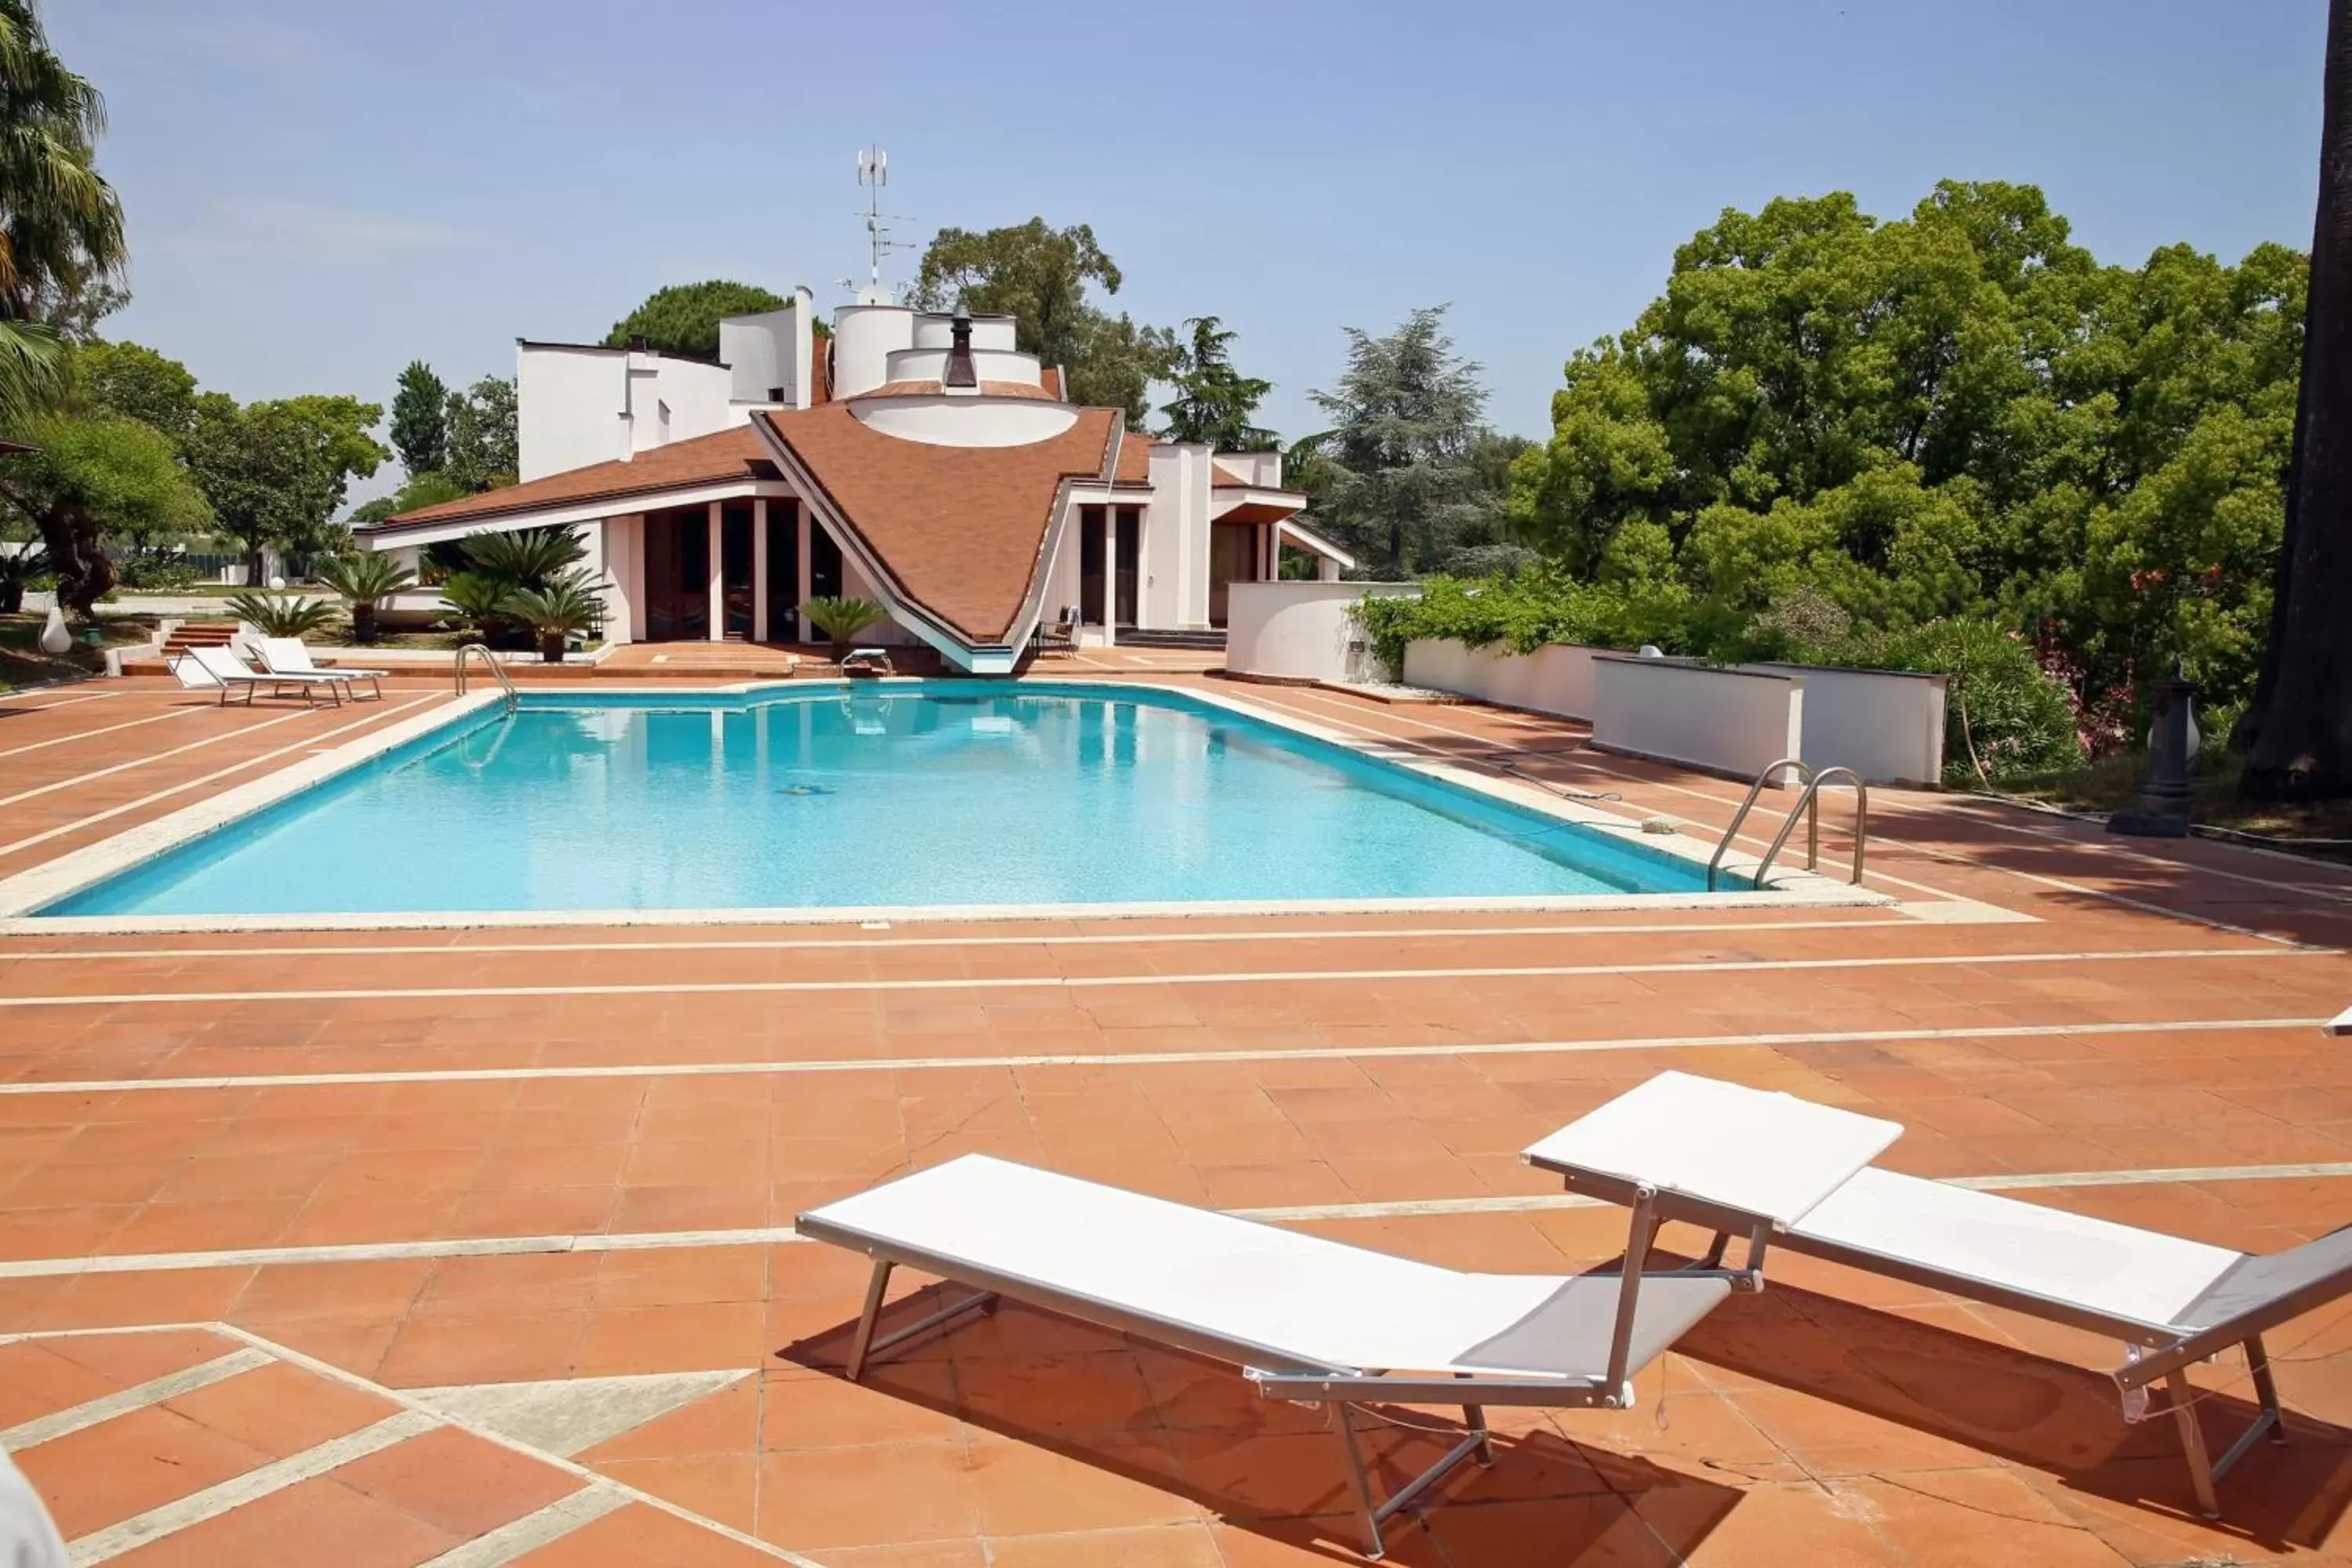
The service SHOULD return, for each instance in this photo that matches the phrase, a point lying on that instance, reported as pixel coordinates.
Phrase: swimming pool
(926, 794)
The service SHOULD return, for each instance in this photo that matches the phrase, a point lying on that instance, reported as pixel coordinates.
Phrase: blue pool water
(946, 793)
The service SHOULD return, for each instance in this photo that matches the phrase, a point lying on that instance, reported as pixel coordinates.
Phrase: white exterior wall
(864, 339)
(768, 351)
(944, 420)
(1731, 721)
(1176, 538)
(575, 406)
(1302, 630)
(1555, 679)
(1263, 469)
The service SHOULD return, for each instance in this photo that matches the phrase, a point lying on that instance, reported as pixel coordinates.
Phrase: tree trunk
(2301, 732)
(84, 572)
(12, 598)
(364, 622)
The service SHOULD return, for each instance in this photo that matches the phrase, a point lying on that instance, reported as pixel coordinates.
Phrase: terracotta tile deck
(449, 1192)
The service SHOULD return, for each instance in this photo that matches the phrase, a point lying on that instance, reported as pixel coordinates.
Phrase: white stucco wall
(950, 421)
(769, 350)
(1886, 725)
(1555, 679)
(1731, 721)
(864, 338)
(581, 405)
(1302, 630)
(1176, 537)
(1263, 469)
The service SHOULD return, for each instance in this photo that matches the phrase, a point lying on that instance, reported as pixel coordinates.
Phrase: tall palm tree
(60, 224)
(2300, 728)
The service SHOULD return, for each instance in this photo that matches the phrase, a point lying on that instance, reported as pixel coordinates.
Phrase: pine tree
(420, 421)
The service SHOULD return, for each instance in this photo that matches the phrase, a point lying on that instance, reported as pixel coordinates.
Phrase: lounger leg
(1715, 1250)
(1475, 1417)
(865, 1339)
(1368, 1513)
(2192, 1442)
(2258, 1363)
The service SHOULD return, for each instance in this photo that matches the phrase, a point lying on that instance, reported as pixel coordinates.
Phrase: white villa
(915, 460)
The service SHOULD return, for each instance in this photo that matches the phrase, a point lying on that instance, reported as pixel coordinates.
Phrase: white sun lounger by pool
(2171, 1300)
(290, 656)
(1310, 1321)
(229, 672)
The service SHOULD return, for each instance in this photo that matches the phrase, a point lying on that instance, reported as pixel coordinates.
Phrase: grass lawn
(2112, 783)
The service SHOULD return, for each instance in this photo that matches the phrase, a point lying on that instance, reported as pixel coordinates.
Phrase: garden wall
(1302, 631)
(1554, 678)
(1886, 724)
(1735, 722)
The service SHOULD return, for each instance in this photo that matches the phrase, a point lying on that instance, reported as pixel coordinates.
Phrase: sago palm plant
(283, 617)
(841, 620)
(568, 605)
(365, 579)
(479, 601)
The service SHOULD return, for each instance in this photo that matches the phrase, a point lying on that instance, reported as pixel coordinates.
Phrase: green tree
(89, 476)
(485, 447)
(415, 493)
(1213, 401)
(1039, 276)
(420, 419)
(60, 223)
(1405, 420)
(684, 318)
(1958, 411)
(136, 383)
(276, 472)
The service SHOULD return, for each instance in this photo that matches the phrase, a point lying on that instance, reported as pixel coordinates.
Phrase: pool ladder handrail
(1808, 806)
(496, 669)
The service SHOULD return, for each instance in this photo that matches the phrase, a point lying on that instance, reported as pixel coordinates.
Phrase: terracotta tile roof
(988, 389)
(820, 371)
(1051, 376)
(716, 459)
(958, 528)
(1134, 459)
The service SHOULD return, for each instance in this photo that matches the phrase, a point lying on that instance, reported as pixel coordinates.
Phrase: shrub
(567, 606)
(155, 574)
(481, 602)
(364, 580)
(274, 617)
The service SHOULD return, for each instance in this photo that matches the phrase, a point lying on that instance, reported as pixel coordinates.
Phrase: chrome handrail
(1809, 803)
(1739, 816)
(496, 669)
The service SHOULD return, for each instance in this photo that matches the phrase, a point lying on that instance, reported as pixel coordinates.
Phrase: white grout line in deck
(786, 1235)
(124, 1401)
(1100, 982)
(69, 1087)
(77, 780)
(106, 729)
(387, 710)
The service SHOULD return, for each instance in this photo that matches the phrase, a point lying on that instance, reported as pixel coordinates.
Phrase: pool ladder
(1808, 806)
(495, 669)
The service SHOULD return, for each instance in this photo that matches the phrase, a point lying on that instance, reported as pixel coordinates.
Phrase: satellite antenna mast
(873, 173)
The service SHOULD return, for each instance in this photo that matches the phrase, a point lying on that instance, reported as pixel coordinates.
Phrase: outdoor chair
(1310, 1321)
(2170, 1300)
(231, 672)
(289, 656)
(1061, 636)
(866, 661)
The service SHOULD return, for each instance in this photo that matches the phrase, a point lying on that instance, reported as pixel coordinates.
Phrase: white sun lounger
(2172, 1301)
(290, 656)
(1310, 1321)
(224, 666)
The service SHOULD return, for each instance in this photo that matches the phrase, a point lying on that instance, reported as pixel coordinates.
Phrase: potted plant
(20, 568)
(365, 579)
(841, 620)
(569, 605)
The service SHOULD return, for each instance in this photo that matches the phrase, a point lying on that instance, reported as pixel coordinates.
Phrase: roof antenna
(874, 173)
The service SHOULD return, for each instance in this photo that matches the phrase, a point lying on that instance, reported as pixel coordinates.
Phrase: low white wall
(1302, 630)
(1886, 725)
(1554, 678)
(1733, 721)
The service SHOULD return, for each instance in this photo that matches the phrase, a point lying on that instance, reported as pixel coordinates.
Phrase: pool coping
(78, 869)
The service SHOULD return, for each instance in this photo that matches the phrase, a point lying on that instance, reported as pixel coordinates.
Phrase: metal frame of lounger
(2173, 1350)
(1279, 1374)
(343, 678)
(309, 686)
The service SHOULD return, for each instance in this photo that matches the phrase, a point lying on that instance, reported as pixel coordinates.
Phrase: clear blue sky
(320, 190)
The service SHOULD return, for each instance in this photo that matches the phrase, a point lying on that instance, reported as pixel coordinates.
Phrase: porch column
(1109, 575)
(717, 578)
(760, 568)
(801, 631)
